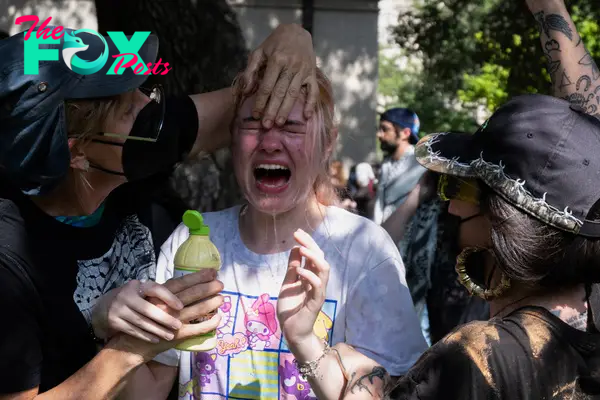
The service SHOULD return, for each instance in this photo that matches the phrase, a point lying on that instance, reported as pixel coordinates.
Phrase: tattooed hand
(574, 73)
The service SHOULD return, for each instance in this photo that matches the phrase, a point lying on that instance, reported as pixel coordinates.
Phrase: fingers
(311, 97)
(313, 279)
(294, 262)
(292, 93)
(149, 310)
(314, 255)
(153, 289)
(200, 292)
(255, 61)
(146, 326)
(265, 90)
(190, 330)
(315, 260)
(307, 241)
(280, 92)
(201, 309)
(132, 330)
(176, 285)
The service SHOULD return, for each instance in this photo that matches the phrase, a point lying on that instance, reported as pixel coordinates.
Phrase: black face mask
(138, 149)
(177, 134)
(134, 160)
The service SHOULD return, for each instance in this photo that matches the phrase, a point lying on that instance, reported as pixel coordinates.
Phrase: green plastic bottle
(195, 254)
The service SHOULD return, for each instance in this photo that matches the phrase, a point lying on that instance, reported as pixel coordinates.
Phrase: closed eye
(294, 128)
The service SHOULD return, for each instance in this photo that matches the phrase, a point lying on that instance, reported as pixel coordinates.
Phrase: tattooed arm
(575, 75)
(344, 373)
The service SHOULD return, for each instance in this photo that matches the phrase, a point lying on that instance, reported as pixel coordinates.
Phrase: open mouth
(272, 177)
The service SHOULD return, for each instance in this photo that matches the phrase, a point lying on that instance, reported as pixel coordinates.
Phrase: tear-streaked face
(276, 168)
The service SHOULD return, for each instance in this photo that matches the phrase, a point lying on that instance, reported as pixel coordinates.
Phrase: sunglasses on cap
(149, 122)
(455, 188)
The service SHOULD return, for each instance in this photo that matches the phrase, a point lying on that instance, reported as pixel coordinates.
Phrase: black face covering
(177, 131)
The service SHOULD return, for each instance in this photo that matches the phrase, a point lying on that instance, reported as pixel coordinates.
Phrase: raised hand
(290, 62)
(303, 290)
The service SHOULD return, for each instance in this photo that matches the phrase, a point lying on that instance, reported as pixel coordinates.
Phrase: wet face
(474, 228)
(120, 121)
(276, 168)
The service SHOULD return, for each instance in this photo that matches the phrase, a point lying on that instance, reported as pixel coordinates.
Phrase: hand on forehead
(296, 114)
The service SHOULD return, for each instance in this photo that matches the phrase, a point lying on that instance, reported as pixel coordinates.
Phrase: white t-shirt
(367, 305)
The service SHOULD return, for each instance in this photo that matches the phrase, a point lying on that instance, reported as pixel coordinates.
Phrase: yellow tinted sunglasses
(454, 188)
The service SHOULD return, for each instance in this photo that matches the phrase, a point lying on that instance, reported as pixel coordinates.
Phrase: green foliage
(474, 53)
(409, 87)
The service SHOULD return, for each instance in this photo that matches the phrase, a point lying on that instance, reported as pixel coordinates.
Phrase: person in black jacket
(80, 155)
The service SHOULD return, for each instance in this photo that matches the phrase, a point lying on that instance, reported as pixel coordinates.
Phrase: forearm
(343, 373)
(102, 378)
(152, 380)
(396, 224)
(575, 75)
(215, 113)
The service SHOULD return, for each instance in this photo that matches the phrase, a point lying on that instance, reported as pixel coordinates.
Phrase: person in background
(400, 173)
(398, 133)
(362, 189)
(339, 180)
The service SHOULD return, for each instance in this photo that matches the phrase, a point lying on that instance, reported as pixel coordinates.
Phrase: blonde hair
(86, 117)
(322, 123)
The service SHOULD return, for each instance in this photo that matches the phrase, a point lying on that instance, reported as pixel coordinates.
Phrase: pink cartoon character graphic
(226, 323)
(261, 323)
(204, 367)
(294, 384)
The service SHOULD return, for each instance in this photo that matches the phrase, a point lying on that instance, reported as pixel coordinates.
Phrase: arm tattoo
(565, 81)
(588, 61)
(584, 88)
(553, 22)
(553, 65)
(360, 384)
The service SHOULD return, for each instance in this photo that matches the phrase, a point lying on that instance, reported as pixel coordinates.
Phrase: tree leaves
(480, 53)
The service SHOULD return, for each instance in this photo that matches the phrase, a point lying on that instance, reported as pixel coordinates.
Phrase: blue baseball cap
(34, 151)
(405, 118)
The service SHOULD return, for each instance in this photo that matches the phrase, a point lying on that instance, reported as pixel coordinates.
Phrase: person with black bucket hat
(526, 186)
(79, 155)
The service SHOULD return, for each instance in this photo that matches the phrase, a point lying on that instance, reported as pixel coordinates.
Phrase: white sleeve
(164, 272)
(381, 319)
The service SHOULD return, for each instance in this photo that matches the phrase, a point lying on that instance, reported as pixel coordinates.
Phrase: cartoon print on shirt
(251, 360)
(294, 384)
(261, 323)
(226, 324)
(204, 366)
(322, 326)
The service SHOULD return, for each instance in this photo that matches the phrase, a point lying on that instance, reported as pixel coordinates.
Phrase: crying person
(283, 172)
